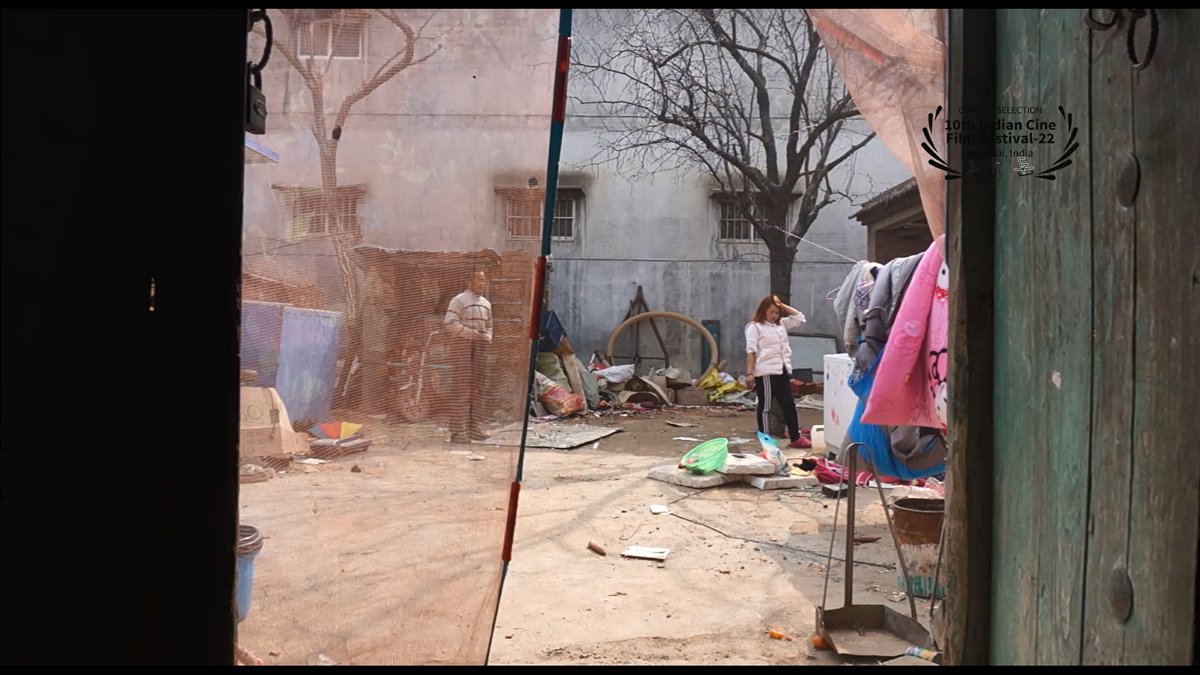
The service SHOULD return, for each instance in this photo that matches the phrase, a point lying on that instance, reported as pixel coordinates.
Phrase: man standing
(468, 324)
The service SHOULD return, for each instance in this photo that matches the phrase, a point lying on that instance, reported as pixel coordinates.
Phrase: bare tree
(749, 97)
(329, 122)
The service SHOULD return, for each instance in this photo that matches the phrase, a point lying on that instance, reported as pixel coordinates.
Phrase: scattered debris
(596, 548)
(355, 469)
(686, 438)
(725, 571)
(331, 448)
(929, 655)
(834, 491)
(671, 473)
(246, 658)
(781, 482)
(276, 462)
(659, 508)
(253, 473)
(746, 464)
(682, 424)
(476, 458)
(559, 436)
(866, 539)
(778, 635)
(596, 445)
(312, 460)
(613, 595)
(646, 552)
(908, 661)
(335, 430)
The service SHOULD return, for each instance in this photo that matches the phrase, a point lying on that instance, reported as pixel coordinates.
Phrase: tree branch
(409, 51)
(800, 100)
(762, 95)
(705, 82)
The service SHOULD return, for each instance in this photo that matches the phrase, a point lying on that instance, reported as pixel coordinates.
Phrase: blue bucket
(249, 545)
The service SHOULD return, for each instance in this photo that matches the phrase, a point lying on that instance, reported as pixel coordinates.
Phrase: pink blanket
(910, 382)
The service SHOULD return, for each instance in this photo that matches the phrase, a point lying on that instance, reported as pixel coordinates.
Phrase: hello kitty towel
(910, 382)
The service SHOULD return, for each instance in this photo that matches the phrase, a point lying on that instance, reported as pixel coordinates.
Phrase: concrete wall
(662, 234)
(430, 145)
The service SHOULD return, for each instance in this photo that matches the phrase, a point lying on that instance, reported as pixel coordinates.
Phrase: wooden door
(1097, 348)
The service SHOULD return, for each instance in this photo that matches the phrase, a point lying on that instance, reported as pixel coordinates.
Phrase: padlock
(256, 102)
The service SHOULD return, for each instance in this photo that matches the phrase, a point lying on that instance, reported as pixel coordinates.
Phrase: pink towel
(910, 382)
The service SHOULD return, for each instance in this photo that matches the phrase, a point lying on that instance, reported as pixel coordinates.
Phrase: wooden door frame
(970, 250)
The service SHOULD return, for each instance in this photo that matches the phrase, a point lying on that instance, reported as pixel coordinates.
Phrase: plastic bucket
(918, 524)
(249, 544)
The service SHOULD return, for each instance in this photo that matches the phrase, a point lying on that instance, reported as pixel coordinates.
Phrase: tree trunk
(343, 239)
(782, 256)
(343, 243)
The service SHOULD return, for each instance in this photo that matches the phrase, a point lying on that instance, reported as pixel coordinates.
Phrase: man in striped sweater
(468, 324)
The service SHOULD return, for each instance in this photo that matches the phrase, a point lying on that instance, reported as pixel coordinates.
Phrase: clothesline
(813, 243)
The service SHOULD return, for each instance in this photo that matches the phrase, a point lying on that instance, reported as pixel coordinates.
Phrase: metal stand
(639, 306)
(866, 630)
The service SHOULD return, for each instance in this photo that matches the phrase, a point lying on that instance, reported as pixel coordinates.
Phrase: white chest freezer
(839, 401)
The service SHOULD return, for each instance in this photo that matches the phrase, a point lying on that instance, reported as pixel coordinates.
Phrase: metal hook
(1136, 14)
(1096, 24)
(1140, 64)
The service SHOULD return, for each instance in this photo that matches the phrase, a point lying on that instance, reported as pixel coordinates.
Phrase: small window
(568, 205)
(523, 211)
(308, 216)
(339, 39)
(523, 215)
(734, 225)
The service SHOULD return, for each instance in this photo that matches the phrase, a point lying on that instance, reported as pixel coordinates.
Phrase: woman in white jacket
(769, 364)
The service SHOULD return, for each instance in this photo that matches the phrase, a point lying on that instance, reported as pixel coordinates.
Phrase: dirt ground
(392, 555)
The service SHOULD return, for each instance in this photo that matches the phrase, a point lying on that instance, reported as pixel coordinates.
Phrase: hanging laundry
(912, 373)
(852, 299)
(887, 293)
(917, 457)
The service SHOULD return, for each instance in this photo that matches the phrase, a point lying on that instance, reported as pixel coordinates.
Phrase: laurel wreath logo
(1064, 160)
(928, 146)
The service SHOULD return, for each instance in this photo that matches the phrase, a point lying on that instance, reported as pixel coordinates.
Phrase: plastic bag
(591, 388)
(710, 380)
(616, 374)
(558, 401)
(721, 390)
(772, 453)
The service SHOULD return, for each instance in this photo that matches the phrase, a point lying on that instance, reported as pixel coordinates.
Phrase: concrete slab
(671, 473)
(747, 464)
(781, 482)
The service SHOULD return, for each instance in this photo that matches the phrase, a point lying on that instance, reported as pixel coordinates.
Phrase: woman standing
(769, 364)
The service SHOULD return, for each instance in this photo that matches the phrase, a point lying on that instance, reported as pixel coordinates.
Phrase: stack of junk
(268, 440)
(564, 385)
